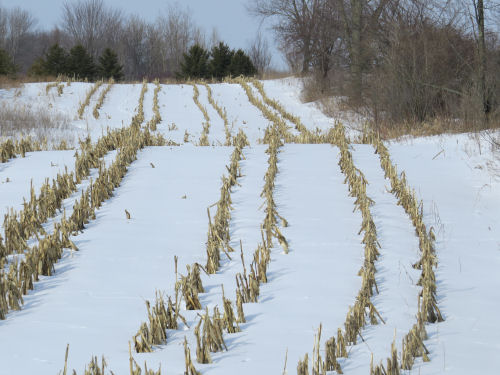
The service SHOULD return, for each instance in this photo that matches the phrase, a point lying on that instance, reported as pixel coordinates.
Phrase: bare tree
(360, 18)
(92, 24)
(156, 65)
(327, 35)
(16, 25)
(295, 26)
(133, 47)
(3, 27)
(260, 54)
(177, 32)
(478, 6)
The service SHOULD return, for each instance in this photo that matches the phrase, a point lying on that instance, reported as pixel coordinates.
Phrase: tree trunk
(482, 58)
(356, 50)
(306, 56)
(481, 49)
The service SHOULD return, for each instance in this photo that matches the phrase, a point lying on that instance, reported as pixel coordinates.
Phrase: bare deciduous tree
(133, 47)
(15, 26)
(177, 32)
(92, 24)
(260, 54)
(360, 18)
(295, 26)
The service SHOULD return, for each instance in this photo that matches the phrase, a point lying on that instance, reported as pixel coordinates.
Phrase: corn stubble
(206, 125)
(363, 309)
(28, 223)
(161, 317)
(218, 228)
(210, 329)
(88, 96)
(10, 149)
(279, 115)
(96, 367)
(428, 311)
(100, 101)
(222, 113)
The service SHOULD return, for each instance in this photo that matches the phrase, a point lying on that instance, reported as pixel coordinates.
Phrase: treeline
(143, 49)
(77, 63)
(397, 61)
(219, 63)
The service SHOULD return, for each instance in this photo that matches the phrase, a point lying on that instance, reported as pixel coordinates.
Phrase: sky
(233, 23)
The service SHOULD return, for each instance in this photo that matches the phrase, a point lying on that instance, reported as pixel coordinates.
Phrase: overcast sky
(233, 23)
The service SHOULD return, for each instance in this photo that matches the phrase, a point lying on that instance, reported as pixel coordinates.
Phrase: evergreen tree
(109, 67)
(6, 65)
(195, 64)
(241, 64)
(221, 60)
(37, 68)
(55, 62)
(81, 64)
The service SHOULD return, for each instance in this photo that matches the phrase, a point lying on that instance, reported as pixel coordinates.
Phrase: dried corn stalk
(222, 113)
(20, 226)
(100, 101)
(88, 96)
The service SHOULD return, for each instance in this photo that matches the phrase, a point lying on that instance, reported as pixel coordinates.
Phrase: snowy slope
(96, 300)
(17, 175)
(461, 200)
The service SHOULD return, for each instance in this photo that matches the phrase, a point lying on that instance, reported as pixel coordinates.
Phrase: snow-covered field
(95, 301)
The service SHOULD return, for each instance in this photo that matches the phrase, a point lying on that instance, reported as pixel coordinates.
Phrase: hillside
(284, 217)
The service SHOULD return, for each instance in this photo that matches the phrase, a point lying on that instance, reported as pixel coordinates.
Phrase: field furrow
(396, 277)
(460, 200)
(17, 175)
(302, 292)
(120, 263)
(282, 247)
(182, 119)
(241, 113)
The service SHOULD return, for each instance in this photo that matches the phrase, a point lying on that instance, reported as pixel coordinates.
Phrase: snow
(461, 200)
(95, 302)
(17, 175)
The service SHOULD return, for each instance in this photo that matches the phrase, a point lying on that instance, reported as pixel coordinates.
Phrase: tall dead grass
(41, 125)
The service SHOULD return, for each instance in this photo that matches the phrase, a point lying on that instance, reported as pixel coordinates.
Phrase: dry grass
(7, 82)
(47, 129)
(275, 74)
(436, 126)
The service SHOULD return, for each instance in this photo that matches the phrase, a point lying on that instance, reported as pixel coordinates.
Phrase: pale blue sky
(234, 25)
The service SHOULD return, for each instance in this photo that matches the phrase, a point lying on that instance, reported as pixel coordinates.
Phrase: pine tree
(6, 65)
(55, 62)
(81, 64)
(37, 68)
(221, 60)
(241, 64)
(195, 64)
(109, 67)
